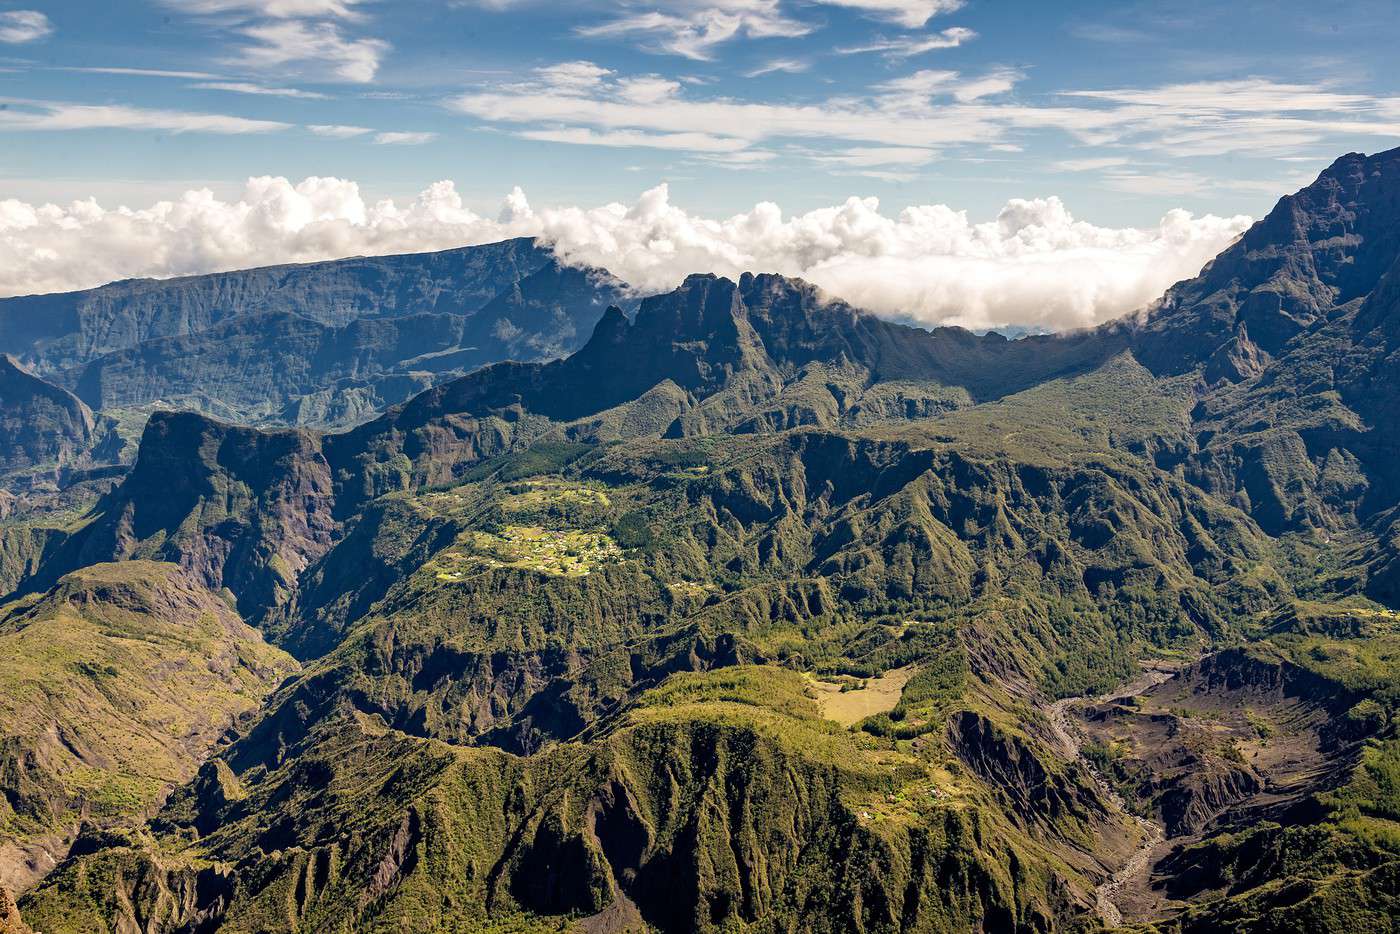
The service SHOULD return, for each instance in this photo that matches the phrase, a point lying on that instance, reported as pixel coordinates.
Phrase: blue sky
(1124, 110)
(983, 162)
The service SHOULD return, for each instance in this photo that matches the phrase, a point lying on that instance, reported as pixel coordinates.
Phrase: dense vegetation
(756, 613)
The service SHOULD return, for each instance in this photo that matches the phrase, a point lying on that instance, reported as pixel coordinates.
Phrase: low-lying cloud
(1033, 265)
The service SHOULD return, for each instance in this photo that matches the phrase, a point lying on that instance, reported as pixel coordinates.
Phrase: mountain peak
(1320, 248)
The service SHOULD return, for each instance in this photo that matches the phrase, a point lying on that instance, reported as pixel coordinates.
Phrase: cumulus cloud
(19, 26)
(1033, 264)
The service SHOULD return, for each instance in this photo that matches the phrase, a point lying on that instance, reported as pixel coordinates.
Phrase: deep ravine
(1071, 742)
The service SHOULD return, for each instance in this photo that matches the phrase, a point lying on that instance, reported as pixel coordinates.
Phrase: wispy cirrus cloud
(402, 138)
(911, 14)
(20, 26)
(281, 34)
(338, 130)
(787, 66)
(637, 139)
(894, 114)
(287, 42)
(693, 30)
(247, 87)
(144, 72)
(277, 9)
(1257, 115)
(911, 45)
(54, 115)
(945, 109)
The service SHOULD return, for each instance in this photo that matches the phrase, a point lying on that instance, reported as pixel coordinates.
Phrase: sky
(981, 162)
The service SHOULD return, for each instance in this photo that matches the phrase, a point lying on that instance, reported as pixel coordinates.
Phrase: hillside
(757, 612)
(114, 686)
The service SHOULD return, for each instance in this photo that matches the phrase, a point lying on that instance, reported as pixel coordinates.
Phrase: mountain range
(467, 592)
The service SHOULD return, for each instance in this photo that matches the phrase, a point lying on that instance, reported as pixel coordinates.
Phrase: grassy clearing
(556, 552)
(536, 495)
(852, 700)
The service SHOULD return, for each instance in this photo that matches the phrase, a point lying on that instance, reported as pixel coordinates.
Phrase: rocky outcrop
(1322, 247)
(41, 425)
(240, 509)
(10, 921)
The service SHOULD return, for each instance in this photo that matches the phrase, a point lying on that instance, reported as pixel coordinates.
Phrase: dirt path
(1071, 745)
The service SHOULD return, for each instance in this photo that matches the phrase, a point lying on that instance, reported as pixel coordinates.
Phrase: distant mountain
(757, 612)
(324, 343)
(43, 427)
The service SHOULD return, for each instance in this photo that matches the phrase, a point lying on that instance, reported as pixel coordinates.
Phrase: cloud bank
(1033, 265)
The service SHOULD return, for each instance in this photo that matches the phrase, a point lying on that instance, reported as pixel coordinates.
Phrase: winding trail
(1071, 742)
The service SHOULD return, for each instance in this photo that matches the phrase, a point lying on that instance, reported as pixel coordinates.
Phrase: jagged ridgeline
(755, 613)
(317, 344)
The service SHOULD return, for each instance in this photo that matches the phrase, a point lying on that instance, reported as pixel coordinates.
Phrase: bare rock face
(41, 424)
(240, 509)
(1319, 249)
(324, 344)
(10, 921)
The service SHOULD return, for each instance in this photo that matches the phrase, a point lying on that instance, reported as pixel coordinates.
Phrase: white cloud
(245, 87)
(291, 41)
(912, 45)
(688, 142)
(694, 29)
(53, 115)
(925, 110)
(912, 14)
(1032, 265)
(19, 26)
(279, 9)
(648, 89)
(869, 156)
(403, 139)
(939, 109)
(1255, 115)
(338, 130)
(573, 76)
(779, 66)
(146, 73)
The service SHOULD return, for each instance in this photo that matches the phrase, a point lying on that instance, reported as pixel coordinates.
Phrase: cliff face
(1319, 249)
(66, 330)
(324, 343)
(240, 509)
(41, 424)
